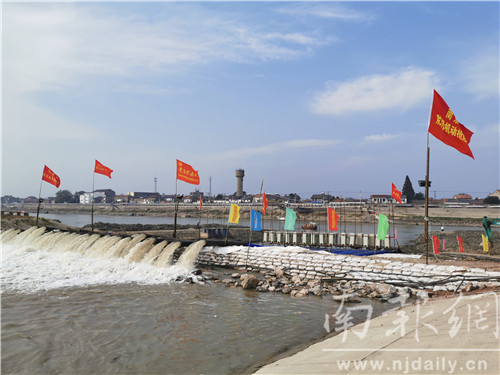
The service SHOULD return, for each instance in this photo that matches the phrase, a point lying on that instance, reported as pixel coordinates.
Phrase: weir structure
(136, 249)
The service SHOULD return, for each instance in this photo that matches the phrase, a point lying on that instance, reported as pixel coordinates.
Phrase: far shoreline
(443, 216)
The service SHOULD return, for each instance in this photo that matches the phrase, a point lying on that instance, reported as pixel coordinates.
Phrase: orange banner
(102, 169)
(50, 177)
(435, 244)
(460, 244)
(445, 127)
(333, 218)
(396, 194)
(187, 174)
(265, 203)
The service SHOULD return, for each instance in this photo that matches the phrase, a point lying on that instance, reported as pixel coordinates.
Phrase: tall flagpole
(176, 206)
(39, 202)
(426, 214)
(93, 198)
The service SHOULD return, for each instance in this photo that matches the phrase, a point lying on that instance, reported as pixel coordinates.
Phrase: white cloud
(381, 137)
(402, 89)
(330, 11)
(245, 153)
(49, 47)
(480, 75)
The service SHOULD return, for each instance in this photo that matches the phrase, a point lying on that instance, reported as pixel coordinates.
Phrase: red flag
(265, 203)
(187, 174)
(101, 169)
(444, 126)
(460, 244)
(201, 203)
(50, 177)
(435, 243)
(333, 218)
(396, 194)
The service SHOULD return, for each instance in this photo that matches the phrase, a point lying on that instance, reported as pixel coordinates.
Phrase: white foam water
(34, 260)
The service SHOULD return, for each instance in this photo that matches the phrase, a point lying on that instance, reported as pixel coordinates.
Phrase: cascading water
(139, 250)
(116, 249)
(167, 255)
(188, 257)
(40, 259)
(9, 234)
(135, 240)
(101, 246)
(154, 252)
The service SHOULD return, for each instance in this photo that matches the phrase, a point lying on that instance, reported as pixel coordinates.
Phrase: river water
(69, 307)
(404, 232)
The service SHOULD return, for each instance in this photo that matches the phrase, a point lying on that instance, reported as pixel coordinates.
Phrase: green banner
(383, 227)
(291, 216)
(487, 226)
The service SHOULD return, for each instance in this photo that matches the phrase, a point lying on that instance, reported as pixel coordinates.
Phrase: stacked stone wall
(319, 265)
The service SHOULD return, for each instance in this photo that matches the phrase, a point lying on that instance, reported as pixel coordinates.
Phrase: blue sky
(310, 97)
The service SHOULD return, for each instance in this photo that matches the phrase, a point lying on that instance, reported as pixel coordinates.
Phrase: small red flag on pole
(435, 243)
(50, 177)
(201, 203)
(460, 244)
(101, 169)
(396, 194)
(444, 126)
(265, 203)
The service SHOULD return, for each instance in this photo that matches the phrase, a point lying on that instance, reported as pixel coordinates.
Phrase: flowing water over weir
(135, 249)
(79, 258)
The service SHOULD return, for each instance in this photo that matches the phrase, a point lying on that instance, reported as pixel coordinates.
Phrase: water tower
(240, 173)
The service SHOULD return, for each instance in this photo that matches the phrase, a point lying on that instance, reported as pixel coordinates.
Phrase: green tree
(419, 196)
(491, 199)
(408, 189)
(64, 196)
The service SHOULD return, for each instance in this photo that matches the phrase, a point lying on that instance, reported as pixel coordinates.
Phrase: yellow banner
(234, 214)
(485, 243)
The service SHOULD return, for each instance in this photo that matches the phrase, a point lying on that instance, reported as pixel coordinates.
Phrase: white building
(86, 198)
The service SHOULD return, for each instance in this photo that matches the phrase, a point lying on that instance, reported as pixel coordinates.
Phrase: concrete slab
(446, 336)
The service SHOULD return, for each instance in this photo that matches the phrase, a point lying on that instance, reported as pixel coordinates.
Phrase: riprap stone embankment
(353, 271)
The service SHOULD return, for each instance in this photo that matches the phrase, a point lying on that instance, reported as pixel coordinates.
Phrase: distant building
(143, 197)
(7, 199)
(30, 199)
(496, 193)
(108, 194)
(168, 198)
(462, 196)
(122, 198)
(86, 198)
(386, 199)
(322, 198)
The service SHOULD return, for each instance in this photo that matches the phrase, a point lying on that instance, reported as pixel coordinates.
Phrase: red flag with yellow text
(187, 174)
(444, 126)
(396, 194)
(102, 169)
(333, 218)
(50, 177)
